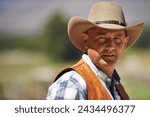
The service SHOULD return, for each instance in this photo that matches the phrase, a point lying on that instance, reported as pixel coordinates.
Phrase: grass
(137, 89)
(17, 70)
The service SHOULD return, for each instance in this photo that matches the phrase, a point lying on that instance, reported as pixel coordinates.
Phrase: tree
(57, 43)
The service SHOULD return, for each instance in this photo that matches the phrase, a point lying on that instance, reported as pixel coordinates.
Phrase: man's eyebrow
(101, 33)
(120, 34)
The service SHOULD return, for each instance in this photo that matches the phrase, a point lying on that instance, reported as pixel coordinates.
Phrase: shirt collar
(99, 73)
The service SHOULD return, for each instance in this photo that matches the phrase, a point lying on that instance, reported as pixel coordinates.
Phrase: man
(103, 37)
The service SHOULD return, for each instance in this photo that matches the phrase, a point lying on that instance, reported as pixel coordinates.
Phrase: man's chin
(108, 63)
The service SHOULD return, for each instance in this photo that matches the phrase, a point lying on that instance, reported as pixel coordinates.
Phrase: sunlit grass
(22, 68)
(137, 89)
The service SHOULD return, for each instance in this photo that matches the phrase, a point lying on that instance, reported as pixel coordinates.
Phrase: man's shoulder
(68, 75)
(71, 76)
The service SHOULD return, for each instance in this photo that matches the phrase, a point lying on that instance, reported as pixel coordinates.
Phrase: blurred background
(34, 46)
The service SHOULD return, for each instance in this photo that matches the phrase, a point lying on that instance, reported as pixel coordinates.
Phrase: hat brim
(77, 25)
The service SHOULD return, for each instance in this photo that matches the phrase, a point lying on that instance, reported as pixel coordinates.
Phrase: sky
(29, 16)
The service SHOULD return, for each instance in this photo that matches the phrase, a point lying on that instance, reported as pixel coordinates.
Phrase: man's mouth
(108, 56)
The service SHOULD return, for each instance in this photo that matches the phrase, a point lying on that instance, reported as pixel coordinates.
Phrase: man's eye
(102, 39)
(118, 40)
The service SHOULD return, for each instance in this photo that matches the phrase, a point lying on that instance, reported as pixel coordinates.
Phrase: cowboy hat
(107, 15)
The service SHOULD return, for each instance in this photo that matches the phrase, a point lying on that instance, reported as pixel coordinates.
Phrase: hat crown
(106, 11)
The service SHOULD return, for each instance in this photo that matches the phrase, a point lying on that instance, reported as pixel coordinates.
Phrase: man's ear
(84, 37)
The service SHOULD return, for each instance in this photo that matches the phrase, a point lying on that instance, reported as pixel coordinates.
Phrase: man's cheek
(93, 55)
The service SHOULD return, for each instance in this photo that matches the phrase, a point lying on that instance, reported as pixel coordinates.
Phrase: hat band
(110, 22)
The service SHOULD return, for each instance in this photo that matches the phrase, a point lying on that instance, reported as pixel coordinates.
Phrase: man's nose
(110, 45)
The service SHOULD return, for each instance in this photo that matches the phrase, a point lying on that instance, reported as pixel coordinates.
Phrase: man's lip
(108, 55)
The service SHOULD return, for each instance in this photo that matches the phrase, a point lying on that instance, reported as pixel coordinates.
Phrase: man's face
(105, 47)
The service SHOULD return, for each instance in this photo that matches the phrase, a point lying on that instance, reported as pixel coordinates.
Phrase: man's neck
(108, 70)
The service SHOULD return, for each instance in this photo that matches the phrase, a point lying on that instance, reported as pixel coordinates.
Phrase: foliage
(57, 43)
(54, 40)
(12, 42)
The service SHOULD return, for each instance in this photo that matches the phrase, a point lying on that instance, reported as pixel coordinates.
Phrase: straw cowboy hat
(108, 15)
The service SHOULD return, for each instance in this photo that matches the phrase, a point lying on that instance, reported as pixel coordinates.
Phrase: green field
(28, 75)
(137, 89)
